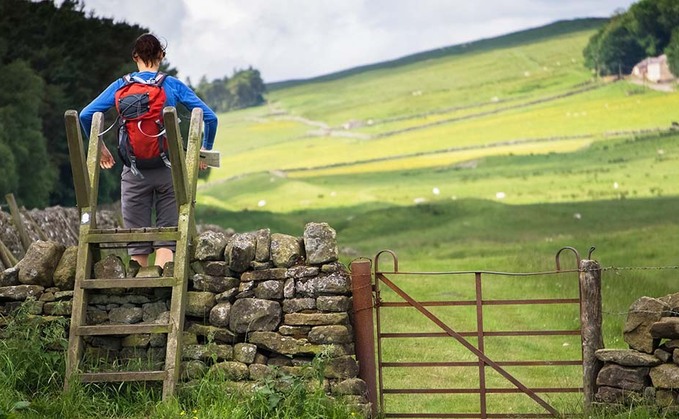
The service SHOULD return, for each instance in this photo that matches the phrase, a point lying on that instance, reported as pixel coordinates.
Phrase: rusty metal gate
(398, 375)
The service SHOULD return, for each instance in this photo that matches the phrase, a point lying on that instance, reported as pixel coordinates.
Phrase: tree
(26, 170)
(645, 30)
(75, 57)
(653, 21)
(245, 88)
(215, 93)
(672, 52)
(614, 49)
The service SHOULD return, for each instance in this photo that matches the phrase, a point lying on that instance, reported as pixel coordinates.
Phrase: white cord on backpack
(149, 135)
(109, 128)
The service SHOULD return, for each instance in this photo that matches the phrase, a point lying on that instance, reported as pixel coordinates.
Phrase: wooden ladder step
(102, 284)
(120, 376)
(122, 329)
(132, 235)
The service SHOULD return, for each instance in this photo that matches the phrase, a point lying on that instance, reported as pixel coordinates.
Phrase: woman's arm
(102, 103)
(105, 101)
(188, 98)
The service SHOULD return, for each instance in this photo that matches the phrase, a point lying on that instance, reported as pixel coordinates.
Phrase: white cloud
(288, 39)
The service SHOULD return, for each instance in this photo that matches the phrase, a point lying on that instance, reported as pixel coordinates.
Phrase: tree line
(55, 57)
(243, 89)
(648, 29)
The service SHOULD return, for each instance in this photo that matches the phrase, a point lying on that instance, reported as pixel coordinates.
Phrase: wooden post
(174, 142)
(18, 222)
(6, 256)
(78, 162)
(184, 178)
(192, 157)
(590, 323)
(86, 181)
(364, 330)
(93, 167)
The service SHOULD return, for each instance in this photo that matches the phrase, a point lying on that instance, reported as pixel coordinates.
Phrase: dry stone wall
(648, 372)
(58, 224)
(260, 304)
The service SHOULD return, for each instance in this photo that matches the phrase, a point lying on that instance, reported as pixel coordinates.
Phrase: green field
(488, 156)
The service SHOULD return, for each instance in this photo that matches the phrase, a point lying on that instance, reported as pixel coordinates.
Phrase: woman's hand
(106, 160)
(201, 164)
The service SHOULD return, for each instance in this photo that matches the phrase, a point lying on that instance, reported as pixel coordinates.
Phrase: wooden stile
(86, 180)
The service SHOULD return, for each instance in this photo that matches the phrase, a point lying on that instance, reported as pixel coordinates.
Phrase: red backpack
(141, 135)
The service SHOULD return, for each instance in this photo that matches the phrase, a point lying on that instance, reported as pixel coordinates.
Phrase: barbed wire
(616, 269)
(638, 268)
(668, 313)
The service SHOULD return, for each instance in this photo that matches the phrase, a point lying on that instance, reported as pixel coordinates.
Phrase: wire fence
(638, 268)
(642, 288)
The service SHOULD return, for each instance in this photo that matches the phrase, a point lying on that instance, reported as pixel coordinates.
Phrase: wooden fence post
(6, 256)
(591, 321)
(18, 222)
(364, 329)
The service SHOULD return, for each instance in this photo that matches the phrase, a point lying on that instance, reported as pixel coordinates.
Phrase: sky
(298, 39)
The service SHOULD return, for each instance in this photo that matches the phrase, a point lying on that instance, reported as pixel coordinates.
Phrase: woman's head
(148, 49)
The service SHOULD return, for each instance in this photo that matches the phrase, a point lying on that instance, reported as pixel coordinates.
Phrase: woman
(139, 195)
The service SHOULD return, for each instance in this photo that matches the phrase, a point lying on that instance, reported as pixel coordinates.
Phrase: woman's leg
(142, 260)
(164, 255)
(136, 197)
(166, 214)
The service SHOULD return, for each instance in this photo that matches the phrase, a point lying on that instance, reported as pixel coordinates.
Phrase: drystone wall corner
(647, 372)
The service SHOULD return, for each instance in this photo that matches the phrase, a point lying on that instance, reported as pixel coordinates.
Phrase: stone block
(643, 313)
(320, 243)
(39, 263)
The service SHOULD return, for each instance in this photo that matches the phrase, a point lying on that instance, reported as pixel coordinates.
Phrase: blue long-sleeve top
(175, 91)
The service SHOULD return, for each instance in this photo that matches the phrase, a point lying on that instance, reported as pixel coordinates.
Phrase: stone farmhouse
(654, 69)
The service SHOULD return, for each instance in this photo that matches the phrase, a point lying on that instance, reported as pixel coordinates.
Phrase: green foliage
(645, 30)
(244, 89)
(614, 49)
(32, 365)
(653, 22)
(215, 94)
(672, 52)
(639, 409)
(32, 357)
(279, 396)
(26, 170)
(68, 58)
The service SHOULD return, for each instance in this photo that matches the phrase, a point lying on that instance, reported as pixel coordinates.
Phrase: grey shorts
(140, 197)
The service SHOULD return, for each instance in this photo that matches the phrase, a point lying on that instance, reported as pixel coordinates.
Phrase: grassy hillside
(514, 39)
(507, 126)
(491, 155)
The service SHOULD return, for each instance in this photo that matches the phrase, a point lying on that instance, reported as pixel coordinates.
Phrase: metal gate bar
(482, 357)
(480, 334)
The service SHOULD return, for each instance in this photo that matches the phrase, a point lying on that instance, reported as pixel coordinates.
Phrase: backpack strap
(156, 80)
(133, 167)
(127, 79)
(159, 79)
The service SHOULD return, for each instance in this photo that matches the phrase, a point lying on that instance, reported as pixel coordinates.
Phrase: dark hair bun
(148, 49)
